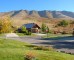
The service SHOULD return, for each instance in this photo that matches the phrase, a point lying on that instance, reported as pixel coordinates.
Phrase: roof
(30, 25)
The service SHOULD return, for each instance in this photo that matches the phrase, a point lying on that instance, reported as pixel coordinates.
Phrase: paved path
(60, 43)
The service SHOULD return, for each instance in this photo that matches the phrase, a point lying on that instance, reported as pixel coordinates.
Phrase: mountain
(22, 14)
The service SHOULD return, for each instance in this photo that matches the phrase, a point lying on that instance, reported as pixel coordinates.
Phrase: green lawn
(22, 34)
(15, 50)
(56, 35)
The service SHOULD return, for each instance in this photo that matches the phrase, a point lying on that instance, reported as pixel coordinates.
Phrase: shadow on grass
(60, 38)
(30, 46)
(59, 42)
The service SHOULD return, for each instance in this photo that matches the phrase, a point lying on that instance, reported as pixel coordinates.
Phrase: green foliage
(28, 33)
(5, 25)
(25, 31)
(44, 28)
(63, 23)
(20, 34)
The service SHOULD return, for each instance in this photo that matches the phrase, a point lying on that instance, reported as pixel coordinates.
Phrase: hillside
(50, 18)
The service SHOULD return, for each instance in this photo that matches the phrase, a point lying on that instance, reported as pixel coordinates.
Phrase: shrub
(63, 23)
(28, 33)
(30, 56)
(24, 31)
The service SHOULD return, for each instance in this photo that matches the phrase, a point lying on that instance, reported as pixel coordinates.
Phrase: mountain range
(22, 14)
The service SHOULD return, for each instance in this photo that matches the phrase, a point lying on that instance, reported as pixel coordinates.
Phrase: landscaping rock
(11, 35)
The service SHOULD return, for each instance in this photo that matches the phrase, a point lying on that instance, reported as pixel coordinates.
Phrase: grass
(1, 34)
(57, 35)
(16, 50)
(21, 34)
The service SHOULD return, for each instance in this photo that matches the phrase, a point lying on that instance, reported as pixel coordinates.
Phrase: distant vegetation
(63, 23)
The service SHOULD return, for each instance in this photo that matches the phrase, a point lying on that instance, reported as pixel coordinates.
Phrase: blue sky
(9, 5)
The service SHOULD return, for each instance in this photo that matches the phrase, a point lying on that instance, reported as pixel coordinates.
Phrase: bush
(30, 56)
(24, 31)
(63, 23)
(28, 33)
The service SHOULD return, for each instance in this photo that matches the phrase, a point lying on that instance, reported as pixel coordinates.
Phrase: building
(32, 27)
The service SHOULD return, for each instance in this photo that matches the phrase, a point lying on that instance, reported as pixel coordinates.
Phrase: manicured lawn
(15, 50)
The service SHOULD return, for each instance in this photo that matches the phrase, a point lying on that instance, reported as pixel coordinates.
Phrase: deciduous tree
(5, 25)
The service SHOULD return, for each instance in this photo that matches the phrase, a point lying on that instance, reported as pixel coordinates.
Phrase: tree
(63, 23)
(5, 25)
(23, 29)
(43, 27)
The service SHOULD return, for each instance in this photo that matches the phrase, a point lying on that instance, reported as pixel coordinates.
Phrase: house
(32, 27)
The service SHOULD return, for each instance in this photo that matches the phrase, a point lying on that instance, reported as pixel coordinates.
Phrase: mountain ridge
(20, 14)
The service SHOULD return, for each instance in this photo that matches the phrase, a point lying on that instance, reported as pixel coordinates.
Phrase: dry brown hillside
(50, 18)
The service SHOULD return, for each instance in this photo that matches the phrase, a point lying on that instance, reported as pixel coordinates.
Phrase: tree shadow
(59, 38)
(66, 42)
